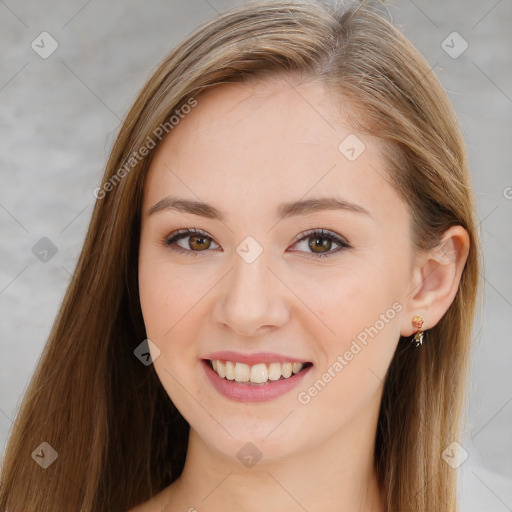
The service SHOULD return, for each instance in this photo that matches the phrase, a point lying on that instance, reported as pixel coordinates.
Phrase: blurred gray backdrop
(69, 72)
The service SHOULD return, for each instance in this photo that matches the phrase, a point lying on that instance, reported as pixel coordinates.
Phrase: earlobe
(436, 279)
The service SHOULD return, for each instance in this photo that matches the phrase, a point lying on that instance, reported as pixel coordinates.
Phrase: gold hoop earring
(417, 322)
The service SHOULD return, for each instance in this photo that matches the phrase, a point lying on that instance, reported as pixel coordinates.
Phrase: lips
(250, 359)
(254, 377)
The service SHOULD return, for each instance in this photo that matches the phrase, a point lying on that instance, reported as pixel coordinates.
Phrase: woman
(274, 302)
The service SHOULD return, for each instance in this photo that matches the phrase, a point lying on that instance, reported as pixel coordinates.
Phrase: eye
(321, 241)
(198, 241)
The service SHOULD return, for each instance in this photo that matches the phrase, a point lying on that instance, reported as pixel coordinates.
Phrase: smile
(254, 381)
(255, 374)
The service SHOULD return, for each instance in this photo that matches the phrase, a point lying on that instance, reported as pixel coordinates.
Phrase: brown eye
(198, 243)
(320, 245)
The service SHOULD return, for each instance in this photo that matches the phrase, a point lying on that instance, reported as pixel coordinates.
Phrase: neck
(338, 474)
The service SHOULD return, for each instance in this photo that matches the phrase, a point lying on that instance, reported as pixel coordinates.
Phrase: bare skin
(245, 149)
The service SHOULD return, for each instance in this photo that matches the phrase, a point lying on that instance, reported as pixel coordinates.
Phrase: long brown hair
(118, 436)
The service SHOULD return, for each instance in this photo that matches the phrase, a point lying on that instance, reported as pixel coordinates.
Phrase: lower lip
(243, 392)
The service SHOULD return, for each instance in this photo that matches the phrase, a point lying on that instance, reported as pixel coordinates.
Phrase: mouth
(259, 374)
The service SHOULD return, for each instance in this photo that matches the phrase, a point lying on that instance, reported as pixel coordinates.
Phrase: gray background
(59, 117)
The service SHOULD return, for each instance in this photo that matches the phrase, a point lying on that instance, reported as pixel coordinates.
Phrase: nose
(251, 300)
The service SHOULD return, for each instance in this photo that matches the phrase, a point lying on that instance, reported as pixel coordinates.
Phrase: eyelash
(315, 233)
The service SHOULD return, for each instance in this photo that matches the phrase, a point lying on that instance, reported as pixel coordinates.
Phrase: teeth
(274, 371)
(258, 373)
(242, 372)
(230, 370)
(286, 370)
(221, 369)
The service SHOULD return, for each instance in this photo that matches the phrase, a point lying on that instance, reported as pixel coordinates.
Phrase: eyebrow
(284, 210)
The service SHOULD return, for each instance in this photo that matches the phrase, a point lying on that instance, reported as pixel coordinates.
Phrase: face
(302, 255)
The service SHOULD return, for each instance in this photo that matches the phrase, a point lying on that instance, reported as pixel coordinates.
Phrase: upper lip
(255, 358)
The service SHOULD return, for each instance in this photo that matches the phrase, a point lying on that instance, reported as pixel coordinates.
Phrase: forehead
(278, 115)
(274, 140)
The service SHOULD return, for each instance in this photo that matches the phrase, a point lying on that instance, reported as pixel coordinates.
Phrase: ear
(435, 280)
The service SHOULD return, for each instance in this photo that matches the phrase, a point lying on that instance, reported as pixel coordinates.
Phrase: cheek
(175, 308)
(344, 301)
(172, 314)
(360, 311)
(167, 295)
